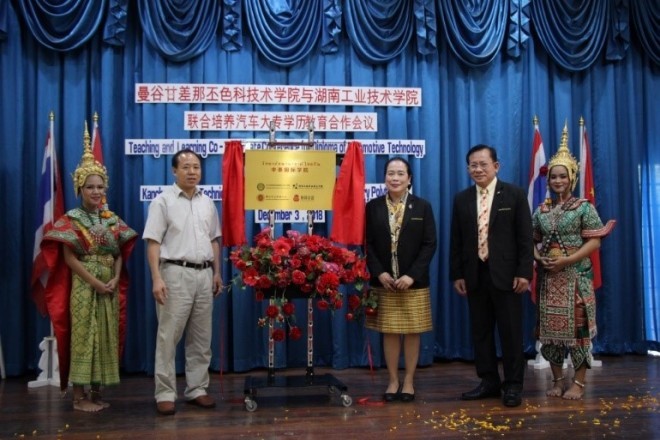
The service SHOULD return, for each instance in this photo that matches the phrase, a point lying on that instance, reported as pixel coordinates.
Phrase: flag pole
(584, 154)
(538, 363)
(51, 128)
(49, 368)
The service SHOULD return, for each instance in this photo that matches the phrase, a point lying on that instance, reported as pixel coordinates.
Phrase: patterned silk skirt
(94, 327)
(402, 312)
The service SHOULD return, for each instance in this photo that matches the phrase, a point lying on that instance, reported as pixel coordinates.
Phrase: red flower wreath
(297, 262)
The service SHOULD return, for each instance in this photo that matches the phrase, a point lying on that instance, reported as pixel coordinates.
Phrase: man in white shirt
(183, 251)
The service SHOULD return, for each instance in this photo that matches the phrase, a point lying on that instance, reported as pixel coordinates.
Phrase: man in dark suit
(491, 263)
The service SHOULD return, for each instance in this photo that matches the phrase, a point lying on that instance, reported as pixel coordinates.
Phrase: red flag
(587, 191)
(348, 218)
(50, 208)
(97, 149)
(537, 190)
(233, 195)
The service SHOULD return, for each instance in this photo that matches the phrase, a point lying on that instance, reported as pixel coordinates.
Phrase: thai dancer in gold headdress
(568, 230)
(85, 252)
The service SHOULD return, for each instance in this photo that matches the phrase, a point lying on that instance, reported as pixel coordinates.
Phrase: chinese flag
(233, 197)
(587, 191)
(348, 199)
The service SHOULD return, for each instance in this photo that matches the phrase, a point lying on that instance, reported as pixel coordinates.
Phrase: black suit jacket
(510, 246)
(417, 240)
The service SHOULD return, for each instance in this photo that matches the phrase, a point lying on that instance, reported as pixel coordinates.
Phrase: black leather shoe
(407, 397)
(483, 391)
(390, 397)
(512, 398)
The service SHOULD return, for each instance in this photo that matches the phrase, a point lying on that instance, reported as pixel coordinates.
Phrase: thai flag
(537, 191)
(50, 208)
(588, 191)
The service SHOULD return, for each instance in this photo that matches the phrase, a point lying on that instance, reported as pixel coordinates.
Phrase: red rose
(259, 295)
(295, 333)
(264, 282)
(295, 262)
(282, 246)
(278, 335)
(349, 316)
(250, 277)
(263, 242)
(298, 277)
(338, 304)
(327, 281)
(272, 311)
(288, 308)
(322, 304)
(370, 311)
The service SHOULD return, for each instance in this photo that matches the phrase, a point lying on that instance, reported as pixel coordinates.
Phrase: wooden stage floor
(621, 401)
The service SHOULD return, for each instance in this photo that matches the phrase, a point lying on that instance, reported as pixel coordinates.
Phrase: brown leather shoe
(165, 408)
(204, 401)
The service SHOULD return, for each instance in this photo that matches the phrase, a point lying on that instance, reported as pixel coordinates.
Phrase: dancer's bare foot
(82, 404)
(575, 392)
(557, 389)
(96, 398)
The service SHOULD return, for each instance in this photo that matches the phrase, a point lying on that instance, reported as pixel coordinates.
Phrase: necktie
(484, 213)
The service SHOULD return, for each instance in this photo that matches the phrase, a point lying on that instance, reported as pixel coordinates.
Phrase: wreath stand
(309, 379)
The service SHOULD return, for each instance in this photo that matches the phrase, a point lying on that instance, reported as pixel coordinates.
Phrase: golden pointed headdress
(564, 158)
(88, 166)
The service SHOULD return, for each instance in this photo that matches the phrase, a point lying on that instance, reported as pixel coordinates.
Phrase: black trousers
(492, 308)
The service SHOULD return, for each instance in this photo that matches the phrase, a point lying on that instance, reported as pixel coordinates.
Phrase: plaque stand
(309, 379)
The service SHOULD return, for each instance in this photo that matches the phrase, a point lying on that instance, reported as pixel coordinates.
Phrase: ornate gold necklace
(97, 230)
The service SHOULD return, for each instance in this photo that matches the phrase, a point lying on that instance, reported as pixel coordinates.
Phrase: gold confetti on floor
(497, 420)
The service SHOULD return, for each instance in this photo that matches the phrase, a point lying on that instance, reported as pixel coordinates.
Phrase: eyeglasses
(474, 166)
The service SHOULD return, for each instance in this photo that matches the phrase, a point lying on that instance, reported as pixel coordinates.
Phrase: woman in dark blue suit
(401, 241)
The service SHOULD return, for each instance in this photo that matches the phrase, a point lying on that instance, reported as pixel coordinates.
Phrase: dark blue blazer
(417, 240)
(510, 246)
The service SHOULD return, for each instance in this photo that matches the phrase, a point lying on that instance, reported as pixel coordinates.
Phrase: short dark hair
(479, 147)
(402, 160)
(175, 158)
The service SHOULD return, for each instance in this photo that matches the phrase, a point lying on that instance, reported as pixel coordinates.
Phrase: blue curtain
(179, 30)
(484, 70)
(475, 30)
(284, 32)
(379, 30)
(573, 32)
(65, 25)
